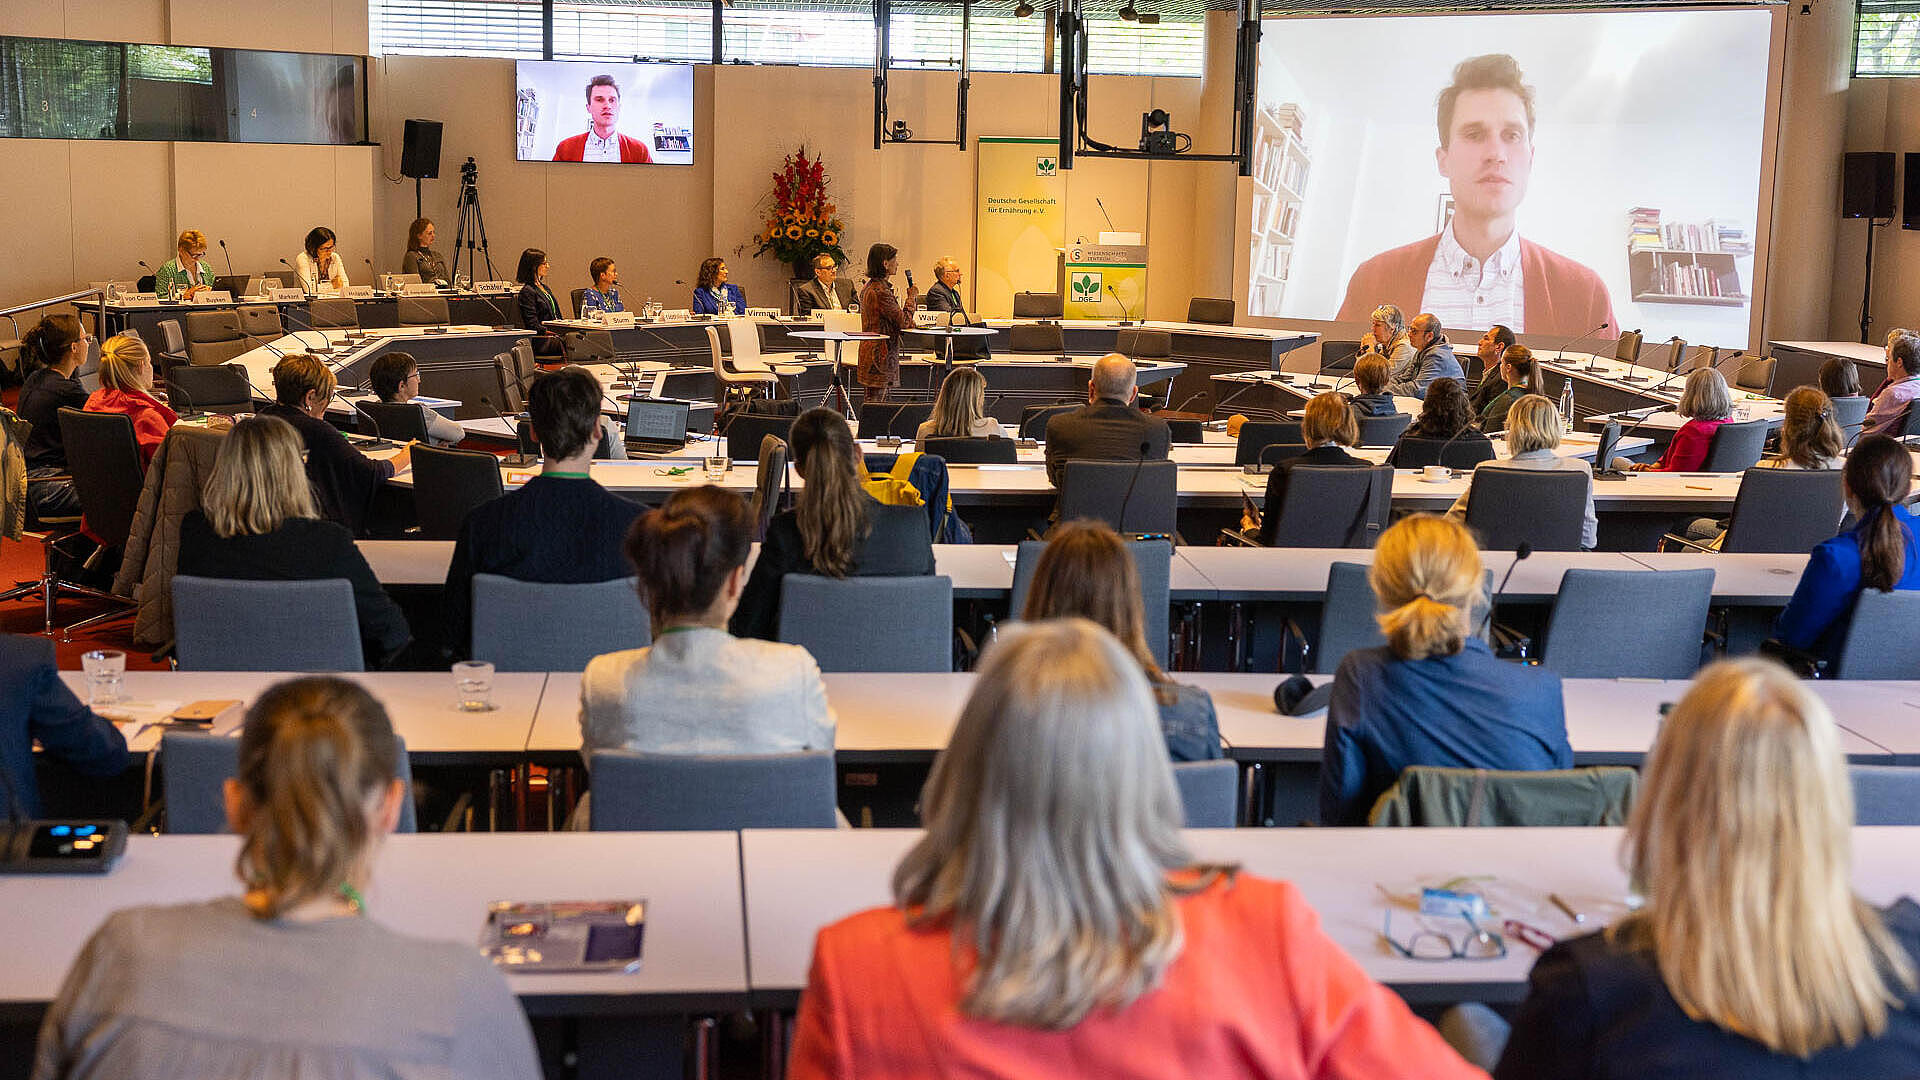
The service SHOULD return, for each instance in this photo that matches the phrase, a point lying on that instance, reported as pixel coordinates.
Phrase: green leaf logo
(1045, 166)
(1086, 287)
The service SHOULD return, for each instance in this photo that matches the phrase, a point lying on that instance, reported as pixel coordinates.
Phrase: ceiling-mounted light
(1023, 10)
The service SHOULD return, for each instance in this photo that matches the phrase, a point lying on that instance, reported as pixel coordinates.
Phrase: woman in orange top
(1052, 922)
(126, 386)
(881, 313)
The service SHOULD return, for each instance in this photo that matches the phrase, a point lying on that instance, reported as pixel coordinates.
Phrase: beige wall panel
(122, 208)
(296, 25)
(36, 256)
(27, 18)
(110, 20)
(262, 199)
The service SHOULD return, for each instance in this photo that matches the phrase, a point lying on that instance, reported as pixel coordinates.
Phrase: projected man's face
(603, 106)
(1489, 154)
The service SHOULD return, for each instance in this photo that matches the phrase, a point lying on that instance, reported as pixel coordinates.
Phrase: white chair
(739, 379)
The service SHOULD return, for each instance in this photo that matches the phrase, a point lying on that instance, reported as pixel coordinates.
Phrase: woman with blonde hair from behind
(1052, 920)
(960, 410)
(126, 387)
(1752, 957)
(1434, 694)
(292, 978)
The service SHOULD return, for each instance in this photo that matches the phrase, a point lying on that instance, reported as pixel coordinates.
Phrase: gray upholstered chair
(1210, 309)
(1628, 624)
(1780, 511)
(219, 388)
(541, 626)
(1736, 447)
(1130, 496)
(1546, 509)
(1885, 794)
(448, 484)
(1152, 560)
(214, 337)
(333, 313)
(222, 625)
(423, 311)
(1209, 793)
(689, 792)
(1037, 305)
(1880, 643)
(194, 769)
(870, 623)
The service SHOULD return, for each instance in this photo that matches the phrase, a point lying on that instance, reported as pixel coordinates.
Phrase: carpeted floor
(22, 562)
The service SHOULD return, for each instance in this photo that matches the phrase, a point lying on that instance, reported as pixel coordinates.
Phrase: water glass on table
(473, 686)
(716, 467)
(106, 672)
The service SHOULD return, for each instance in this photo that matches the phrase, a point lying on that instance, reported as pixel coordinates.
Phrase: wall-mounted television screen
(626, 114)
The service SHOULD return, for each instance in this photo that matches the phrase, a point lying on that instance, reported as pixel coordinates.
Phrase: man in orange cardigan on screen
(603, 142)
(1478, 271)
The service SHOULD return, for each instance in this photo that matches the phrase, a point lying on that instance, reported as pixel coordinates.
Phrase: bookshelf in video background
(1685, 262)
(1280, 165)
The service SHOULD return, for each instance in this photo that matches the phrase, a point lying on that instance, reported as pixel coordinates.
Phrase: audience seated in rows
(258, 522)
(1533, 434)
(1327, 425)
(1444, 427)
(55, 348)
(835, 528)
(1520, 373)
(1752, 957)
(293, 978)
(560, 526)
(960, 410)
(1879, 552)
(1706, 403)
(126, 387)
(1492, 346)
(1839, 379)
(395, 379)
(1370, 376)
(698, 689)
(36, 707)
(1434, 694)
(344, 480)
(1894, 400)
(1052, 920)
(1110, 427)
(1087, 572)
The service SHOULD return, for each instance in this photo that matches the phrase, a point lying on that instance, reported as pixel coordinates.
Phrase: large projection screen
(1637, 194)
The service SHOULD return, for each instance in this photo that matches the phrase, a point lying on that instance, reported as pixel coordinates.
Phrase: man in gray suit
(1110, 427)
(826, 291)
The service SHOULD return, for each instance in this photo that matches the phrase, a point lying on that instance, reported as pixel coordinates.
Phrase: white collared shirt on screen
(1464, 292)
(599, 149)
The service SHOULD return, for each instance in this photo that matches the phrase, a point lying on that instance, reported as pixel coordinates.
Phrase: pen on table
(1698, 487)
(1554, 898)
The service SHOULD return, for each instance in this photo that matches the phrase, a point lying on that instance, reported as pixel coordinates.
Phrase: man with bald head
(1110, 427)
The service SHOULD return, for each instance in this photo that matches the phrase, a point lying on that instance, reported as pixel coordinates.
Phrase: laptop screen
(656, 420)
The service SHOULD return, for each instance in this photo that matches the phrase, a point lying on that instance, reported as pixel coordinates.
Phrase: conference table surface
(798, 881)
(438, 886)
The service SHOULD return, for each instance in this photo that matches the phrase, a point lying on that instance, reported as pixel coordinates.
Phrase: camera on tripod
(469, 173)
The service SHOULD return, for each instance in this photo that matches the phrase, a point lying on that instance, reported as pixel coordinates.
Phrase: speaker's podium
(1104, 280)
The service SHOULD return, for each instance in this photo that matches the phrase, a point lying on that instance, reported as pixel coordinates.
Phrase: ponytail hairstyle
(51, 337)
(1525, 369)
(831, 508)
(121, 360)
(1426, 576)
(1879, 474)
(315, 755)
(684, 550)
(1808, 435)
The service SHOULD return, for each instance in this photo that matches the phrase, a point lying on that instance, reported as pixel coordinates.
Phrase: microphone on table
(373, 278)
(1592, 365)
(229, 257)
(326, 345)
(297, 276)
(520, 458)
(175, 390)
(1520, 553)
(1146, 447)
(1126, 317)
(1104, 214)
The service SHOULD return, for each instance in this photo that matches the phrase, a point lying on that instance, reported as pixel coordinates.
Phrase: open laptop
(234, 285)
(656, 425)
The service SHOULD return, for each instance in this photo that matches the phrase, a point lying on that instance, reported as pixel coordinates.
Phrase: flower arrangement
(802, 223)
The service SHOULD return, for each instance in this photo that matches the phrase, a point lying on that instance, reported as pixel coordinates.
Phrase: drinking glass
(717, 468)
(106, 672)
(473, 686)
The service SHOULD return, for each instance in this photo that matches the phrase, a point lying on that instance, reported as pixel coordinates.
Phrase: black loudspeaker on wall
(1867, 186)
(1910, 205)
(420, 153)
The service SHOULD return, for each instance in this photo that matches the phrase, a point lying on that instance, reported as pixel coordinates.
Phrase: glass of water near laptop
(716, 465)
(473, 686)
(106, 673)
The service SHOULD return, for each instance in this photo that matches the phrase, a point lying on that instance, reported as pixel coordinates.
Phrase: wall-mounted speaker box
(420, 151)
(1910, 205)
(1866, 188)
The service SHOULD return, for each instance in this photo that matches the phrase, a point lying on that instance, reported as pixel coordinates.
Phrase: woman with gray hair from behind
(1053, 914)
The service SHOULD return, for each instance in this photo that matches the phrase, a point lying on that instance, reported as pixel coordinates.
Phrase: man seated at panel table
(1891, 404)
(1110, 427)
(560, 526)
(828, 291)
(1434, 359)
(1493, 345)
(35, 706)
(344, 479)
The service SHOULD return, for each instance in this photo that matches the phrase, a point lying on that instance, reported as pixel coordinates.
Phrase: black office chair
(1036, 338)
(893, 418)
(448, 484)
(1546, 509)
(1783, 511)
(104, 460)
(992, 450)
(1736, 447)
(1037, 305)
(222, 388)
(744, 432)
(1460, 453)
(396, 420)
(1186, 431)
(1130, 496)
(1383, 430)
(1210, 309)
(1333, 506)
(1034, 418)
(1257, 435)
(577, 295)
(1137, 344)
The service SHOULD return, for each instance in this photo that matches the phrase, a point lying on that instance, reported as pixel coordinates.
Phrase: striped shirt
(1462, 291)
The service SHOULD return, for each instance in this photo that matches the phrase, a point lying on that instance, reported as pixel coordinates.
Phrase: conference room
(1370, 551)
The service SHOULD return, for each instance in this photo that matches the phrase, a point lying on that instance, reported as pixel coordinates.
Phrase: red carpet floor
(22, 562)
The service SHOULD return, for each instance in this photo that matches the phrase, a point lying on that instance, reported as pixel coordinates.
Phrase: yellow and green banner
(1021, 222)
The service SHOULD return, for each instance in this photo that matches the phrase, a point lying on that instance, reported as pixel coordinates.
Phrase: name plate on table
(766, 312)
(497, 286)
(618, 318)
(360, 292)
(677, 313)
(140, 300)
(215, 297)
(282, 296)
(419, 288)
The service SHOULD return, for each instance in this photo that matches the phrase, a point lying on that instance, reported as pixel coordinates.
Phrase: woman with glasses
(1434, 694)
(1752, 956)
(187, 274)
(1053, 922)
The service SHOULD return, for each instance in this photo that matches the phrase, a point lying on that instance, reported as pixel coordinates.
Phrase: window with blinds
(1886, 38)
(658, 30)
(457, 27)
(1128, 48)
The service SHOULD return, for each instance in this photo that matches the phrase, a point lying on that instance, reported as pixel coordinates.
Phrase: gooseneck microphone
(520, 458)
(1593, 364)
(1146, 447)
(1520, 553)
(304, 287)
(1126, 316)
(229, 257)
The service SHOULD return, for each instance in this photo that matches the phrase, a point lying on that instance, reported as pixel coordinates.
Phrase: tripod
(472, 232)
